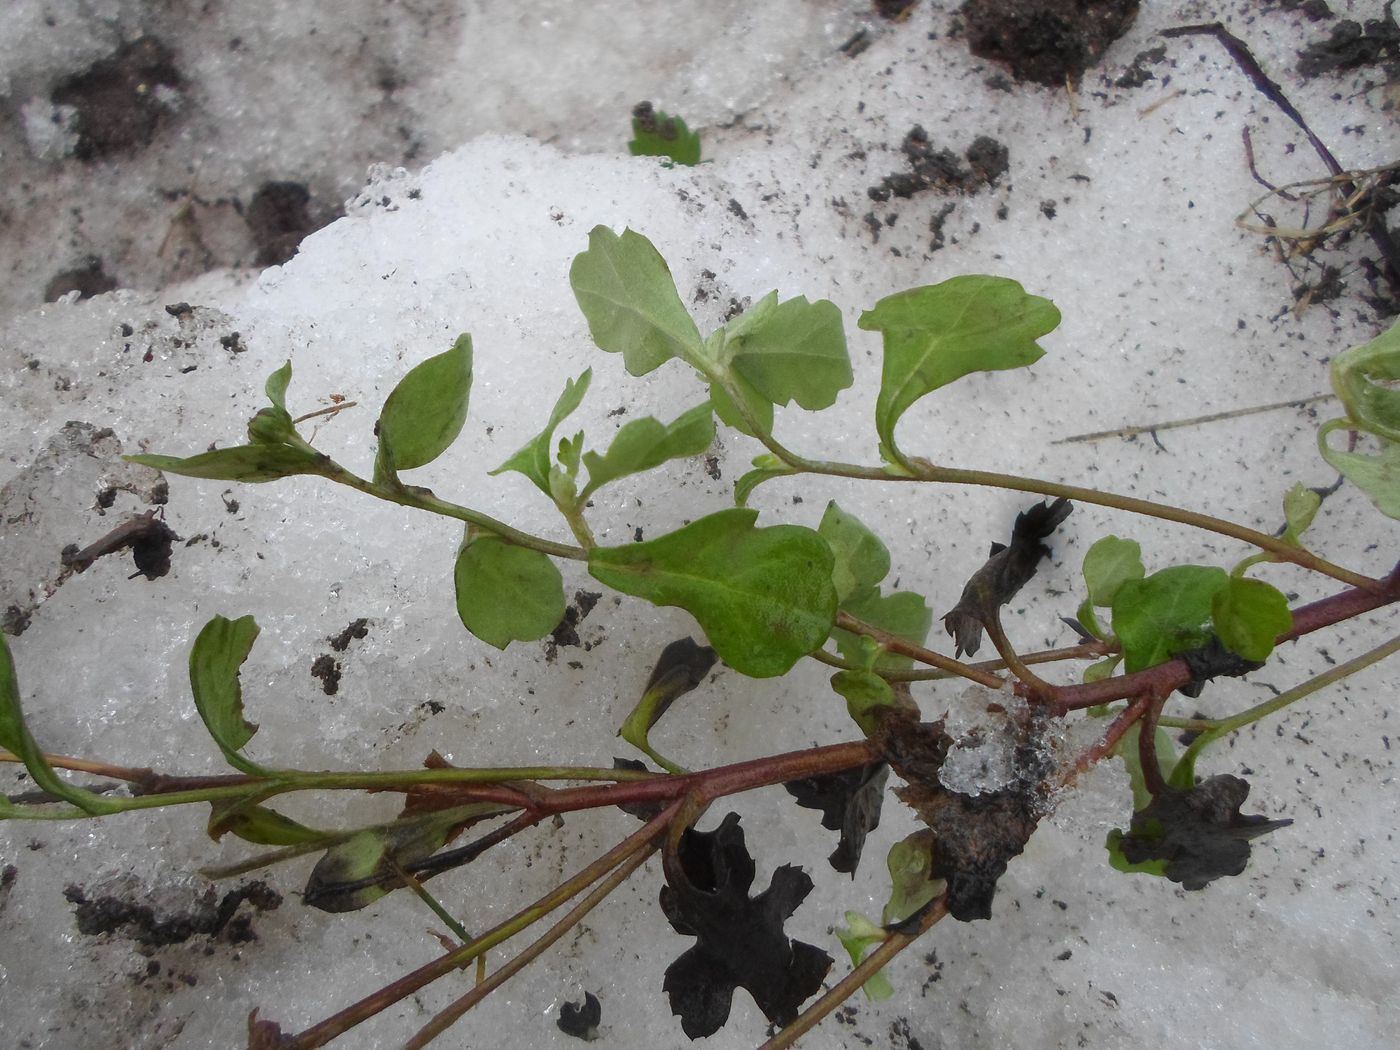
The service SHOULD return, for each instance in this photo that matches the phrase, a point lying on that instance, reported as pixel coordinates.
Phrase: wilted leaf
(215, 662)
(426, 410)
(250, 463)
(1249, 615)
(740, 940)
(681, 667)
(1364, 378)
(789, 351)
(625, 290)
(646, 443)
(763, 596)
(1164, 614)
(507, 593)
(850, 802)
(1199, 834)
(656, 134)
(364, 867)
(1376, 474)
(862, 559)
(581, 1020)
(939, 333)
(1003, 574)
(913, 884)
(533, 458)
(251, 822)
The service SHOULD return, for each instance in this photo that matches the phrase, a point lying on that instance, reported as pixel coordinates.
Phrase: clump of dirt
(281, 215)
(122, 101)
(566, 632)
(327, 668)
(215, 918)
(357, 629)
(1352, 45)
(87, 279)
(1045, 41)
(941, 169)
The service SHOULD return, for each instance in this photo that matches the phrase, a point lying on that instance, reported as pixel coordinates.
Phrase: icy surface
(1119, 210)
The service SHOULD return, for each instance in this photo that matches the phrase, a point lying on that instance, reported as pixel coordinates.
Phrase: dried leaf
(850, 803)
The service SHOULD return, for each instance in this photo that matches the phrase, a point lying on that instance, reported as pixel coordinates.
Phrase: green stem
(1083, 651)
(1332, 675)
(422, 499)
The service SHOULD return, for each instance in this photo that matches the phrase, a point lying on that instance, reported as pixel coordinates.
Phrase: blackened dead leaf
(1004, 574)
(1213, 660)
(580, 1020)
(850, 803)
(740, 940)
(1200, 833)
(681, 667)
(148, 537)
(267, 1035)
(643, 811)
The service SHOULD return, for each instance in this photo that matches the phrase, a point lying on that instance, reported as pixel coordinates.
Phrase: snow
(1169, 312)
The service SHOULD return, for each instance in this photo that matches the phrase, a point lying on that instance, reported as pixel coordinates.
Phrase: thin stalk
(1226, 726)
(1083, 651)
(895, 644)
(853, 981)
(449, 1015)
(341, 1022)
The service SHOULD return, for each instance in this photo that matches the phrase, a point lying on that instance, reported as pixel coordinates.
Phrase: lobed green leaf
(903, 613)
(646, 443)
(507, 593)
(764, 597)
(625, 290)
(1364, 378)
(215, 663)
(1377, 475)
(1165, 613)
(1249, 615)
(251, 463)
(789, 351)
(939, 333)
(533, 458)
(426, 411)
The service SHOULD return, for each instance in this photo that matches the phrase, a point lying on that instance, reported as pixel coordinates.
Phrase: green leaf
(1108, 564)
(1127, 749)
(425, 412)
(1376, 475)
(939, 333)
(763, 596)
(646, 443)
(1300, 507)
(1364, 379)
(1101, 670)
(1164, 614)
(250, 463)
(215, 662)
(625, 291)
(759, 407)
(277, 384)
(902, 613)
(865, 694)
(767, 467)
(912, 883)
(1249, 615)
(533, 458)
(16, 738)
(1114, 845)
(862, 560)
(656, 134)
(1089, 620)
(251, 822)
(858, 937)
(789, 351)
(507, 593)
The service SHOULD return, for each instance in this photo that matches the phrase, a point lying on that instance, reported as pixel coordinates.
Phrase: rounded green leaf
(1300, 507)
(1164, 614)
(507, 593)
(903, 613)
(939, 333)
(1249, 615)
(865, 693)
(625, 290)
(1108, 564)
(862, 559)
(790, 351)
(764, 597)
(426, 411)
(1364, 378)
(646, 443)
(1376, 475)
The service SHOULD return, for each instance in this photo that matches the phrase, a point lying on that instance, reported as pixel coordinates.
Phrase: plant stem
(1083, 651)
(446, 1017)
(852, 982)
(341, 1022)
(895, 644)
(1332, 675)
